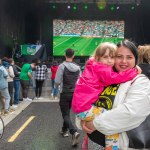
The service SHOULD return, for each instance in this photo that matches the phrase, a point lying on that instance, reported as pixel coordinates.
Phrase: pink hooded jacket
(91, 83)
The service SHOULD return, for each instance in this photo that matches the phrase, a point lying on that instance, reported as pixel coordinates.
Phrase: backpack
(69, 80)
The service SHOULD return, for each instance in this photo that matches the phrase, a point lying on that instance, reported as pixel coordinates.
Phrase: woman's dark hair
(130, 45)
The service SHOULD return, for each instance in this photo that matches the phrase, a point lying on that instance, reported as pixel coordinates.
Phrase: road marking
(11, 139)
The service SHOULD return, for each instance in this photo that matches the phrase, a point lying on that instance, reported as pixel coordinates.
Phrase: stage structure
(30, 52)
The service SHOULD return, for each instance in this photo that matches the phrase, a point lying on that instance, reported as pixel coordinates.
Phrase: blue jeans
(54, 90)
(16, 91)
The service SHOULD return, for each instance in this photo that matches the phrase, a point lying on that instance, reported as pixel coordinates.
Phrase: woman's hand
(88, 127)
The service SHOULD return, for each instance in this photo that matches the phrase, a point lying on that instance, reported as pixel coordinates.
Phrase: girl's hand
(88, 127)
(139, 70)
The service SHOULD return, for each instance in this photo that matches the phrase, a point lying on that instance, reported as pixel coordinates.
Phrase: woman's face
(124, 59)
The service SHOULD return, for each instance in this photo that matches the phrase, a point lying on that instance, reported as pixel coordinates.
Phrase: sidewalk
(46, 94)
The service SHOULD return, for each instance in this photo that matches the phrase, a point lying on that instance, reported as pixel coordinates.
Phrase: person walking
(66, 76)
(54, 69)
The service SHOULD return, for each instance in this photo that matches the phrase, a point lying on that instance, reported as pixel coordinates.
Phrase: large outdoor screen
(84, 36)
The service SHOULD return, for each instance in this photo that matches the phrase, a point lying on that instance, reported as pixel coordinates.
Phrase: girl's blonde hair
(102, 48)
(144, 54)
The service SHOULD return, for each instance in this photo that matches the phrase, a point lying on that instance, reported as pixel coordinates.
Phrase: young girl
(98, 73)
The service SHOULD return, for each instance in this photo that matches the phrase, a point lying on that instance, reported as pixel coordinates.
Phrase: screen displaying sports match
(84, 36)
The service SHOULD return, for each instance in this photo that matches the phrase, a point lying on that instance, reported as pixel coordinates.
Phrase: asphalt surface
(42, 133)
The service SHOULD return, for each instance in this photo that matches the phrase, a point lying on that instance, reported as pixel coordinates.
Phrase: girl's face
(124, 59)
(107, 58)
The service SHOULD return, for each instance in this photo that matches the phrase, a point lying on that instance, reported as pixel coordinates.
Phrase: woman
(10, 80)
(131, 100)
(40, 76)
(16, 82)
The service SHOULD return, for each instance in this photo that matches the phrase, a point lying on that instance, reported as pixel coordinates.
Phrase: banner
(29, 49)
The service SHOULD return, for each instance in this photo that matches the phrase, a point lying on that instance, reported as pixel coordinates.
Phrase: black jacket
(145, 69)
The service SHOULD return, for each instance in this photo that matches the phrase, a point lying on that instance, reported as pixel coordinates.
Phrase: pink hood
(94, 78)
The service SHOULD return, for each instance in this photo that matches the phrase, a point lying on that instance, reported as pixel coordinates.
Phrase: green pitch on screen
(83, 46)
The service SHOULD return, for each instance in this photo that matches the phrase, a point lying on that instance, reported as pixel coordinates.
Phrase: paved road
(42, 133)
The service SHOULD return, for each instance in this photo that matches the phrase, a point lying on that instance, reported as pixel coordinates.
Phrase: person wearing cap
(66, 76)
(131, 102)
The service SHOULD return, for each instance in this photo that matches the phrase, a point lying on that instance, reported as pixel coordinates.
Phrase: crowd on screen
(88, 28)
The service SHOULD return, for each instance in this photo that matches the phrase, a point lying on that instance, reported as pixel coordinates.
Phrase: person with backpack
(66, 76)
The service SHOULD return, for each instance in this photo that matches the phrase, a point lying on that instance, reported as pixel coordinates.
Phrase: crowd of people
(88, 28)
(109, 97)
(8, 78)
(16, 82)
